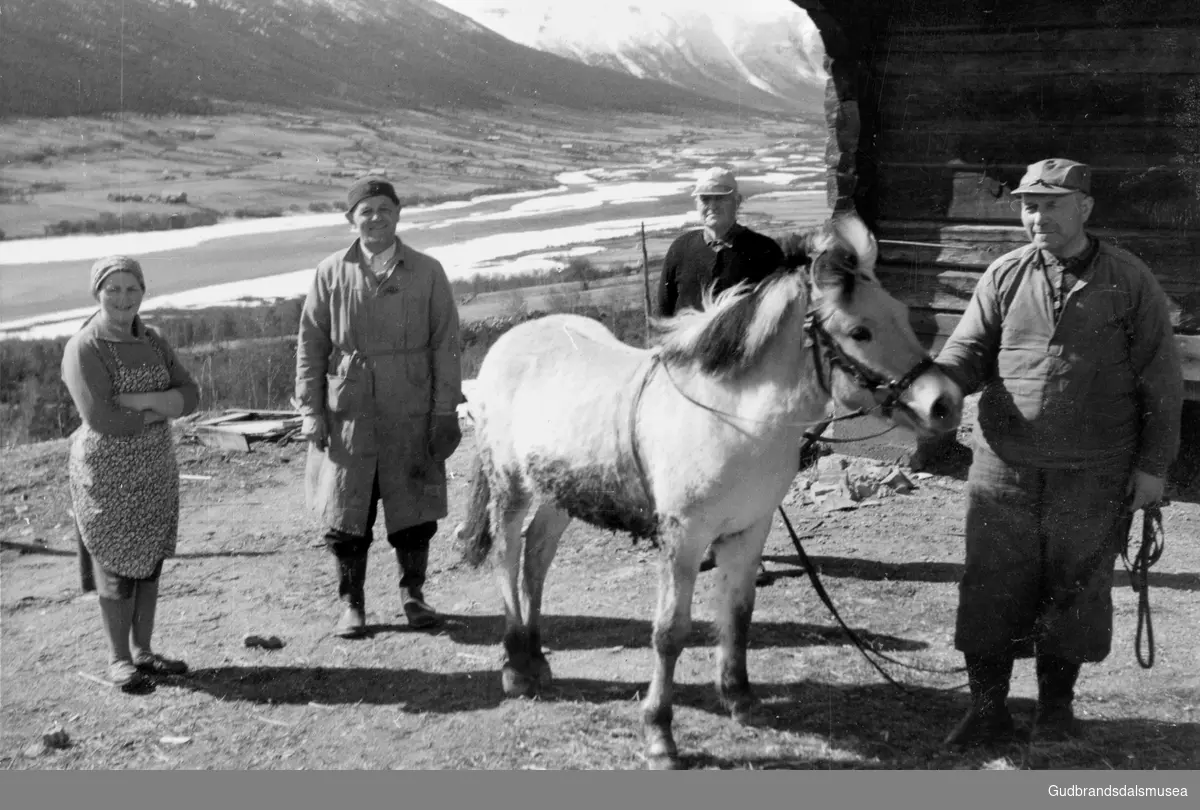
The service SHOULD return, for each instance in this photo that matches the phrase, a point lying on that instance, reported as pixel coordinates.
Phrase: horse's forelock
(834, 271)
(846, 254)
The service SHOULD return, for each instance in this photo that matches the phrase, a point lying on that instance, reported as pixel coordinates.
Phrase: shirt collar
(727, 242)
(380, 259)
(1077, 264)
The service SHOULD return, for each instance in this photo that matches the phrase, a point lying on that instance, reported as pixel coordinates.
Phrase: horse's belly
(606, 495)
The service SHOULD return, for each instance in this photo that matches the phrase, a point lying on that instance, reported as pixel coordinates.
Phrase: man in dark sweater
(718, 256)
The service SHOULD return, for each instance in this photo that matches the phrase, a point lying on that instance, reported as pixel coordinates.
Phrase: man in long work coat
(378, 382)
(1070, 341)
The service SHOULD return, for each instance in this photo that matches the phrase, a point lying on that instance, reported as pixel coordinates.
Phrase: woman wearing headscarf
(378, 382)
(126, 383)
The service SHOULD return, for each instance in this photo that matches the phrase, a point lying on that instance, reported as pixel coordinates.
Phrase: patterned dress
(125, 489)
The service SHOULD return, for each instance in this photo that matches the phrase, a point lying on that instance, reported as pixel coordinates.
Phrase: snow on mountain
(763, 53)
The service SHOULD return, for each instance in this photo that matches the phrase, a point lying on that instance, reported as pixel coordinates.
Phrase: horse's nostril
(939, 410)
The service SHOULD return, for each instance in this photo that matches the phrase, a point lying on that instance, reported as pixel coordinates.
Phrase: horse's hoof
(742, 715)
(541, 674)
(740, 704)
(661, 753)
(517, 684)
(664, 762)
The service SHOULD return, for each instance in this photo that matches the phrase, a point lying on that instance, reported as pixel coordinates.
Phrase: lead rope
(1154, 540)
(819, 587)
(868, 653)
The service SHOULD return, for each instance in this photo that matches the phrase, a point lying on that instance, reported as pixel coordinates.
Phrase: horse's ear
(849, 230)
(833, 274)
(848, 255)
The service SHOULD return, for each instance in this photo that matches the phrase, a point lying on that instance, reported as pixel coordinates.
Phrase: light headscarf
(103, 268)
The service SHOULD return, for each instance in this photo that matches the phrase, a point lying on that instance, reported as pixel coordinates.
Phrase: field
(249, 561)
(274, 162)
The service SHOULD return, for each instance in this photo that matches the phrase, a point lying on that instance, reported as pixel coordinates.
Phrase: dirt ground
(250, 561)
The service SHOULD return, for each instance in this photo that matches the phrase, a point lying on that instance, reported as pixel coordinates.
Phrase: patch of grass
(578, 269)
(108, 222)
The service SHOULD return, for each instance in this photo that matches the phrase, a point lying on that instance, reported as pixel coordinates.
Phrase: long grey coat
(378, 359)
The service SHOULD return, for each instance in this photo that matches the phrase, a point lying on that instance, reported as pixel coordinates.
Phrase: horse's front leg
(678, 567)
(541, 544)
(738, 557)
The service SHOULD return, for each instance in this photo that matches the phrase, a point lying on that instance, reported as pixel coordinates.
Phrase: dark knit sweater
(691, 266)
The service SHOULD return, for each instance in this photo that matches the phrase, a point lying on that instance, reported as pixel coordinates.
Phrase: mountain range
(87, 57)
(760, 53)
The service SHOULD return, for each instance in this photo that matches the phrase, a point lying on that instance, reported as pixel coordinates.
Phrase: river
(44, 289)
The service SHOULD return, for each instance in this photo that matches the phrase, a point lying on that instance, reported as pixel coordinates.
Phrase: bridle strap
(865, 377)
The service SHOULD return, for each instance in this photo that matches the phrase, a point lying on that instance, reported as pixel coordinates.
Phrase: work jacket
(1097, 383)
(378, 358)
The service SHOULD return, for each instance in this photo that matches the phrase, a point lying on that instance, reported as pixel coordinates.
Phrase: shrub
(239, 356)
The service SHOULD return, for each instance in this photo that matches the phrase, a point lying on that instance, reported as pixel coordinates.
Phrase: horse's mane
(731, 331)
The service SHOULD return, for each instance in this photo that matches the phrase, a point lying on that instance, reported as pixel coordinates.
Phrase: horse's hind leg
(541, 544)
(509, 508)
(678, 567)
(738, 556)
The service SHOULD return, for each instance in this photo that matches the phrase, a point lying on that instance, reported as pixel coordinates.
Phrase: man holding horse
(378, 381)
(1070, 341)
(720, 255)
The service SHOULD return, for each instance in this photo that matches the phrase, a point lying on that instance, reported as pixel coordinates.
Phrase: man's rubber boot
(988, 720)
(352, 577)
(1054, 720)
(413, 563)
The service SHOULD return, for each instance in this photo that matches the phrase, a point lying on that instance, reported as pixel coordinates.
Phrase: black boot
(352, 576)
(988, 720)
(1055, 717)
(413, 563)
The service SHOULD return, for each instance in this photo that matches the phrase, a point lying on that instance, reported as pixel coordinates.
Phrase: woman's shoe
(155, 664)
(127, 677)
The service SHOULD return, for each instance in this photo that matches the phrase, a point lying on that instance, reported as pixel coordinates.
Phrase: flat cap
(1056, 176)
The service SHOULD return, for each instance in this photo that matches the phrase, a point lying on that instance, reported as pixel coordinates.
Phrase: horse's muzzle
(932, 403)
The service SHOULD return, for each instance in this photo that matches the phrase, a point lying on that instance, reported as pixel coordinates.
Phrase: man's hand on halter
(1144, 489)
(315, 430)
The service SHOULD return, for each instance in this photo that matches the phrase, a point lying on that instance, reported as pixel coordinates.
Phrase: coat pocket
(343, 394)
(418, 398)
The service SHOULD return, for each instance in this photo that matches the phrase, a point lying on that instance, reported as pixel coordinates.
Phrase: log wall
(936, 106)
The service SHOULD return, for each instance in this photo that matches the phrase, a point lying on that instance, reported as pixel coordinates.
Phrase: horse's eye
(860, 333)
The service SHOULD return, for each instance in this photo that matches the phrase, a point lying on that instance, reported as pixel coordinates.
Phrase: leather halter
(836, 357)
(825, 348)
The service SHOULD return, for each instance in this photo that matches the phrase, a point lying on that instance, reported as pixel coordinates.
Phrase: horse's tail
(475, 534)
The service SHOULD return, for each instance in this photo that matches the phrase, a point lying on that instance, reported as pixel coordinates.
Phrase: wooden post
(646, 282)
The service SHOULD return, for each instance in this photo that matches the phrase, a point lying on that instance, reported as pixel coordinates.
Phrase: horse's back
(563, 330)
(555, 350)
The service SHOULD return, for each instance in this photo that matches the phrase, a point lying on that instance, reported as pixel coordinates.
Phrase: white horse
(694, 442)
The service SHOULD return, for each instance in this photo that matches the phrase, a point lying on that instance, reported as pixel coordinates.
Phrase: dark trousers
(411, 538)
(1041, 546)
